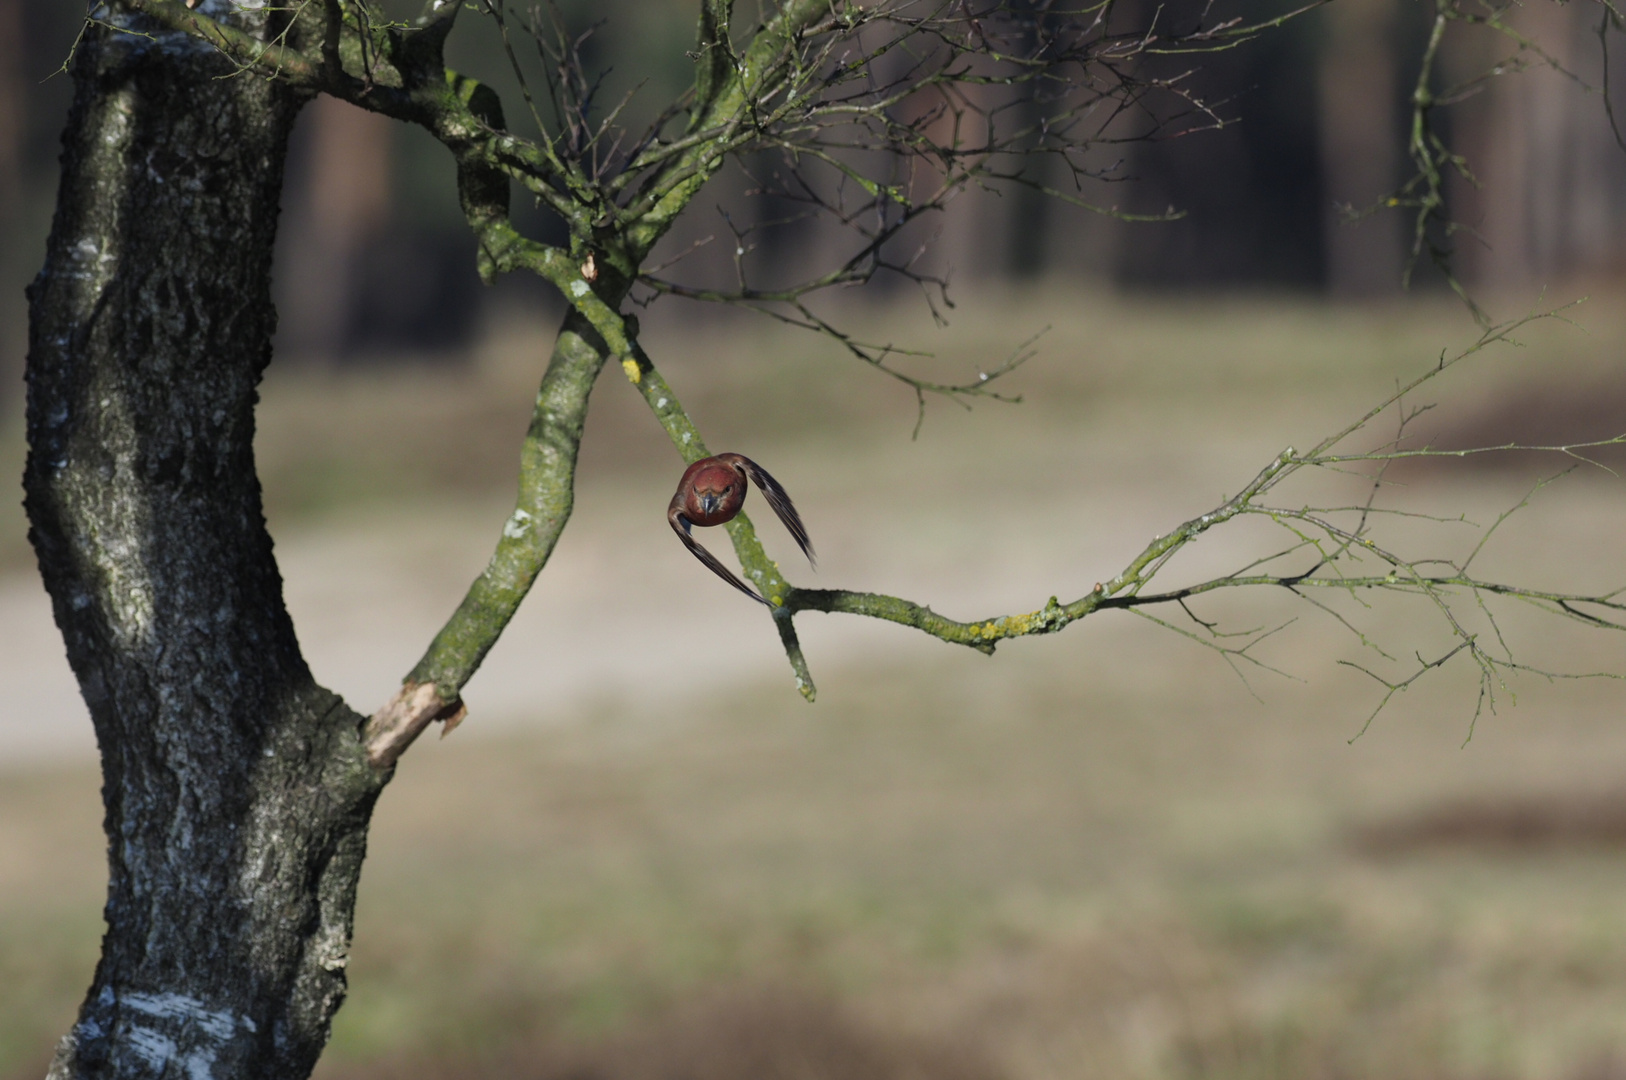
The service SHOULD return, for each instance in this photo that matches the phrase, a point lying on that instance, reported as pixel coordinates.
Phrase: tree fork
(237, 790)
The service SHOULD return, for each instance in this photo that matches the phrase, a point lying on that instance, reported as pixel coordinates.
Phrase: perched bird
(712, 491)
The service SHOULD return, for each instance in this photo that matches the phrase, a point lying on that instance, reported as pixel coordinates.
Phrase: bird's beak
(709, 503)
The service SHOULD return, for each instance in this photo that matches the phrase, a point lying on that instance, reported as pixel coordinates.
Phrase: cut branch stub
(404, 717)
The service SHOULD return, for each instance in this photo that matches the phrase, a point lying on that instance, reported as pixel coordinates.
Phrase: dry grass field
(1095, 855)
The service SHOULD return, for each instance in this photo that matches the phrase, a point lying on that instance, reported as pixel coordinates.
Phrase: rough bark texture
(236, 789)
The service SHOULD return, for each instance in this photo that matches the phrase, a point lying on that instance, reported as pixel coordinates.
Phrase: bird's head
(716, 491)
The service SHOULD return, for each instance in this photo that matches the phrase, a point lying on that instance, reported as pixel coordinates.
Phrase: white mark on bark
(153, 1049)
(578, 288)
(199, 1066)
(332, 953)
(205, 1028)
(517, 525)
(90, 263)
(216, 1023)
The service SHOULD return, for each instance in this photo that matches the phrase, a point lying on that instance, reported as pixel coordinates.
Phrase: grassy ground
(1096, 855)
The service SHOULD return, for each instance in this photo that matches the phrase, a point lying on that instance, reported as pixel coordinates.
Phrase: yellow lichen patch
(630, 366)
(1050, 617)
(1010, 625)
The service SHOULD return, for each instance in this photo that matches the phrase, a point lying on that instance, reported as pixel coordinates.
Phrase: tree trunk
(1360, 155)
(11, 110)
(237, 790)
(339, 204)
(1547, 204)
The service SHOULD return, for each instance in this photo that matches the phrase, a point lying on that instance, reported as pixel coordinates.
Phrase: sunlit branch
(1330, 557)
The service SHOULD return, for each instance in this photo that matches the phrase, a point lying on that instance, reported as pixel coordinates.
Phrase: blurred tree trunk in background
(971, 240)
(12, 130)
(11, 109)
(1361, 146)
(339, 204)
(985, 233)
(1551, 198)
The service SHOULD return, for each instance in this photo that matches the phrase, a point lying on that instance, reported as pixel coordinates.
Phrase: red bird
(712, 491)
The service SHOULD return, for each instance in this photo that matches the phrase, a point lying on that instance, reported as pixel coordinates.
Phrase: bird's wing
(779, 500)
(680, 525)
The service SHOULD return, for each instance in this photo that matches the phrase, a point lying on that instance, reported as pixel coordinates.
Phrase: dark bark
(237, 790)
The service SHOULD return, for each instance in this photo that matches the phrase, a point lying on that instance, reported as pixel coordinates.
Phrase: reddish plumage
(712, 491)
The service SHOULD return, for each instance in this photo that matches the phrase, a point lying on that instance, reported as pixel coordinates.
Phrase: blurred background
(1096, 855)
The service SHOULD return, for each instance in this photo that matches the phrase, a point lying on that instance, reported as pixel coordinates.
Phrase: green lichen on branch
(979, 634)
(546, 497)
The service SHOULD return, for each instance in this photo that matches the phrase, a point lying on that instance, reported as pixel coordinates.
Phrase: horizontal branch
(984, 634)
(980, 634)
(1321, 545)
